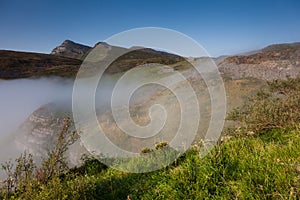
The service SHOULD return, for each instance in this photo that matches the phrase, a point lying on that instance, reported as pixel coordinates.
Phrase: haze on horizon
(222, 27)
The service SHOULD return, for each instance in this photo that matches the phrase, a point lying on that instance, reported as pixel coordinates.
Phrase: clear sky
(222, 27)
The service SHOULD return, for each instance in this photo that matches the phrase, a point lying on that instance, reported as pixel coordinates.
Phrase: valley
(243, 76)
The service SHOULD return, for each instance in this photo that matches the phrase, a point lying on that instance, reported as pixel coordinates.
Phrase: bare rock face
(38, 134)
(71, 49)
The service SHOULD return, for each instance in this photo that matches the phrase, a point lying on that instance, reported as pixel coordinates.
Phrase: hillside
(15, 65)
(247, 163)
(280, 47)
(273, 62)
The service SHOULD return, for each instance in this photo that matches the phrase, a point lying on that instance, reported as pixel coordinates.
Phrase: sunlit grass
(241, 168)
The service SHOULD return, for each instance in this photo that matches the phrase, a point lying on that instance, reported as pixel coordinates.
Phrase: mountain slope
(272, 62)
(23, 65)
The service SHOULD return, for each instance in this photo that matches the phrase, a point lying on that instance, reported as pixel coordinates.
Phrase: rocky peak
(71, 49)
(102, 44)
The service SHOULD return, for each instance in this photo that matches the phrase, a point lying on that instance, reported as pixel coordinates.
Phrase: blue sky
(222, 27)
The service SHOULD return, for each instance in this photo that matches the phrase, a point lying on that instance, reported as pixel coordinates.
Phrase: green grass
(242, 168)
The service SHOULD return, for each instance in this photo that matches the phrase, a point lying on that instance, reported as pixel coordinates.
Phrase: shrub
(25, 179)
(276, 107)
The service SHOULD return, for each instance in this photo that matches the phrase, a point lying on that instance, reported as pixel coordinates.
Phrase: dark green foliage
(147, 150)
(92, 166)
(161, 145)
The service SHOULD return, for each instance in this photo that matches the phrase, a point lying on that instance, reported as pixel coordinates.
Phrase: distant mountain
(271, 62)
(128, 60)
(71, 49)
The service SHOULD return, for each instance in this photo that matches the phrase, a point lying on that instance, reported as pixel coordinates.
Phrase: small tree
(26, 175)
(56, 162)
(8, 183)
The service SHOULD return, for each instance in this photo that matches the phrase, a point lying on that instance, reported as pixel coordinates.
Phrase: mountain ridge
(280, 60)
(66, 59)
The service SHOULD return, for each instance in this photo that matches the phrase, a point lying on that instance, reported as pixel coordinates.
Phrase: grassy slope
(249, 167)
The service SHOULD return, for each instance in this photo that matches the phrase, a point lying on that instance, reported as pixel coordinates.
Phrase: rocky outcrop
(272, 62)
(71, 49)
(38, 134)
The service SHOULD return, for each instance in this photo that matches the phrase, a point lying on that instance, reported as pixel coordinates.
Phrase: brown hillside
(23, 65)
